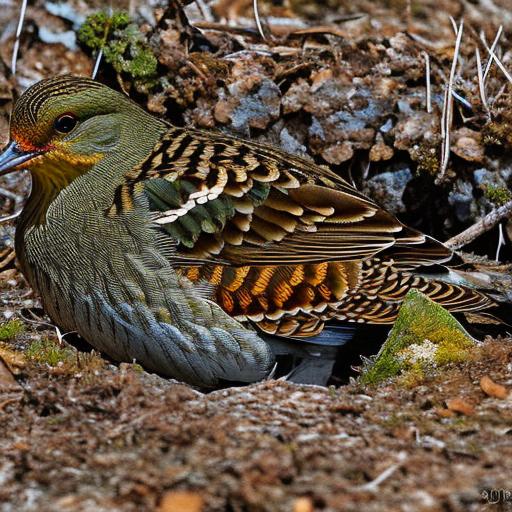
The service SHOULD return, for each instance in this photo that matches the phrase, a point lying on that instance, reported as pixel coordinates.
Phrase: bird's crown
(48, 111)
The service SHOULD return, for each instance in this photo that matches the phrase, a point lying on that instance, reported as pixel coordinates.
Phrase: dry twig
(480, 227)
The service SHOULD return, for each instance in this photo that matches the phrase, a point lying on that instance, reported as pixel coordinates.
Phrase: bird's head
(66, 123)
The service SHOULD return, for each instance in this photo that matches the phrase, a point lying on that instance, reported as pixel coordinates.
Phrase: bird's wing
(234, 202)
(277, 240)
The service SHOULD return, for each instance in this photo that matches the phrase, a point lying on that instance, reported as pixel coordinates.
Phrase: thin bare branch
(494, 57)
(454, 25)
(501, 242)
(493, 48)
(481, 83)
(462, 100)
(373, 486)
(204, 10)
(443, 115)
(258, 21)
(448, 107)
(16, 46)
(428, 83)
(482, 226)
(7, 218)
(97, 63)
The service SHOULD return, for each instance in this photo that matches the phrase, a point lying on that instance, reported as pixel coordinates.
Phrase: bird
(202, 256)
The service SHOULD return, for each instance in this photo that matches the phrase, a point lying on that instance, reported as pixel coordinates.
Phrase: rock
(380, 151)
(388, 188)
(483, 178)
(461, 198)
(253, 103)
(467, 145)
(338, 153)
(290, 144)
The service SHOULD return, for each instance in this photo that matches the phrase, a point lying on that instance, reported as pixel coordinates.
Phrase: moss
(498, 130)
(497, 195)
(427, 159)
(97, 28)
(136, 367)
(498, 133)
(455, 350)
(123, 45)
(50, 352)
(11, 329)
(412, 376)
(425, 336)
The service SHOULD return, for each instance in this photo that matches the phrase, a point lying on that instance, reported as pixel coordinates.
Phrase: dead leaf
(7, 380)
(461, 406)
(303, 504)
(14, 360)
(182, 501)
(444, 413)
(491, 388)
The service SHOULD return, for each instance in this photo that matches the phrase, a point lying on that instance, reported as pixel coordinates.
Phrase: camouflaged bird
(200, 255)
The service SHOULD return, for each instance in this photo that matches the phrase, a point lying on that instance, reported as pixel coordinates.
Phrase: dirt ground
(343, 83)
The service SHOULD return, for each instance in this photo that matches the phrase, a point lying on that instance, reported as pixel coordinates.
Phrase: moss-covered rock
(425, 336)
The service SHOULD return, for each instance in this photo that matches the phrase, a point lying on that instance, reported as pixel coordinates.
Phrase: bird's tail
(487, 294)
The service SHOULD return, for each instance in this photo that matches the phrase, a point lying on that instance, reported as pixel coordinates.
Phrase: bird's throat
(50, 176)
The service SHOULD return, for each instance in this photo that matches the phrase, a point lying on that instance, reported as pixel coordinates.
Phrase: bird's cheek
(66, 154)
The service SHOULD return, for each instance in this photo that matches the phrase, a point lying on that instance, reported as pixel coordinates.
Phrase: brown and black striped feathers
(298, 300)
(239, 203)
(283, 243)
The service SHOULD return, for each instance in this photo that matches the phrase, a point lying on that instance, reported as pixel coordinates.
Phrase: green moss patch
(425, 336)
(497, 195)
(50, 352)
(11, 329)
(124, 47)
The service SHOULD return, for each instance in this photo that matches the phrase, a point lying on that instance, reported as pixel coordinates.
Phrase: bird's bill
(12, 156)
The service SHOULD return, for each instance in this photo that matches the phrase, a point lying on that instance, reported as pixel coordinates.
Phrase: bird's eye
(65, 123)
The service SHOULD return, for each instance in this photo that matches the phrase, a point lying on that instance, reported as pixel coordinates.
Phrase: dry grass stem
(97, 63)
(428, 83)
(501, 242)
(7, 218)
(493, 47)
(258, 21)
(481, 82)
(494, 57)
(448, 106)
(16, 47)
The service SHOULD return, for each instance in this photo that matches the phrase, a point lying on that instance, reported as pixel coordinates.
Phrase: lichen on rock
(425, 336)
